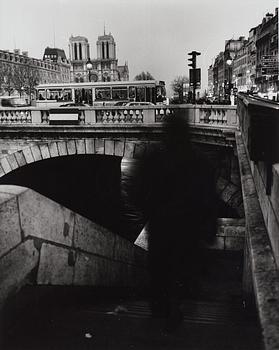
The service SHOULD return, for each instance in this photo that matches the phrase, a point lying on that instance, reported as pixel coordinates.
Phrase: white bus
(100, 93)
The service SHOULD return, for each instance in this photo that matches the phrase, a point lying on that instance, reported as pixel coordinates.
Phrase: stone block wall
(261, 275)
(230, 235)
(45, 243)
(269, 202)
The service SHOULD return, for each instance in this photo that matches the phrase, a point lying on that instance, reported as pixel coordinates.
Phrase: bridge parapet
(222, 116)
(257, 146)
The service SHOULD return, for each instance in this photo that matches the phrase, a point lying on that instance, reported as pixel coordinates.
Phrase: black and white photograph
(139, 175)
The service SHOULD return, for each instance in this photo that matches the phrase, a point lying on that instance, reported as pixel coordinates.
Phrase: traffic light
(193, 59)
(195, 73)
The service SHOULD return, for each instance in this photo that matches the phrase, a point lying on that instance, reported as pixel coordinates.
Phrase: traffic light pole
(194, 92)
(194, 70)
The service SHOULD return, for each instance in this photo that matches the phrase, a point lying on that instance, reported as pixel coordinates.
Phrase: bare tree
(2, 80)
(177, 86)
(7, 73)
(144, 76)
(32, 78)
(19, 78)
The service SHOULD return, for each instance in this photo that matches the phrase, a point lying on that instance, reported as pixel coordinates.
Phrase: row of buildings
(55, 67)
(248, 65)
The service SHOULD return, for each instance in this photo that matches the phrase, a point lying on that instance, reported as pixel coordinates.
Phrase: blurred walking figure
(177, 196)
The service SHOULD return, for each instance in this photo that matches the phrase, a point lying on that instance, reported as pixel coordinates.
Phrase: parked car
(12, 101)
(120, 103)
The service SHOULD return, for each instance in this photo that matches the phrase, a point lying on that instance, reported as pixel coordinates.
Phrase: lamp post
(229, 70)
(89, 67)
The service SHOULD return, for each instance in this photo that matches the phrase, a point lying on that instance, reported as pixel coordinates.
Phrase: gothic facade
(103, 68)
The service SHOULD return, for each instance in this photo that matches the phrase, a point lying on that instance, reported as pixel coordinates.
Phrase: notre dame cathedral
(103, 68)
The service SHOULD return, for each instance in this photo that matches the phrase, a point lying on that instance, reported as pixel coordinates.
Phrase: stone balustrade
(15, 116)
(222, 116)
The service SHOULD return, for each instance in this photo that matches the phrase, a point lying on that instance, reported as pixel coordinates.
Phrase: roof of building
(54, 51)
(78, 38)
(106, 37)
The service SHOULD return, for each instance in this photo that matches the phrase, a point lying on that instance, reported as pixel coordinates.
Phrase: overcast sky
(152, 35)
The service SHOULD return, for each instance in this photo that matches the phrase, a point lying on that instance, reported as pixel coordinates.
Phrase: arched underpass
(97, 186)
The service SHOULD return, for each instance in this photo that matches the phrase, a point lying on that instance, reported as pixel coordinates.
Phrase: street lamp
(89, 67)
(229, 61)
(229, 70)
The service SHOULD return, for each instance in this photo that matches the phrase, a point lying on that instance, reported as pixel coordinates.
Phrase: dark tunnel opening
(87, 184)
(97, 187)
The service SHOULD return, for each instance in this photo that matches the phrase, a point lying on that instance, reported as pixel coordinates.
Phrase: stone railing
(15, 116)
(207, 115)
(217, 116)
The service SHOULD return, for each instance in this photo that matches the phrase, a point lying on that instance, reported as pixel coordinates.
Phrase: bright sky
(152, 35)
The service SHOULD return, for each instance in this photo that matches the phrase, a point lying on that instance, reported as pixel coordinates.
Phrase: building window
(103, 50)
(107, 49)
(80, 51)
(75, 51)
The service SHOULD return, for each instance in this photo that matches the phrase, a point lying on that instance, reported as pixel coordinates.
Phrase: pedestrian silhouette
(176, 193)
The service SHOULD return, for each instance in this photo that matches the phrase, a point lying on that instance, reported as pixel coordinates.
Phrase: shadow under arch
(83, 194)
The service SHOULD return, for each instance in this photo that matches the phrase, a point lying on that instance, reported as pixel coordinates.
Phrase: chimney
(276, 11)
(17, 51)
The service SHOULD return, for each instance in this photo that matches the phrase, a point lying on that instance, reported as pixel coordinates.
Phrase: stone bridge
(28, 136)
(36, 230)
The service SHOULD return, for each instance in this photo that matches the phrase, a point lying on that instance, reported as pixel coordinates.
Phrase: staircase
(51, 317)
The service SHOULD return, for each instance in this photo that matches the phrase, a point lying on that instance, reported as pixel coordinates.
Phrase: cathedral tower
(79, 55)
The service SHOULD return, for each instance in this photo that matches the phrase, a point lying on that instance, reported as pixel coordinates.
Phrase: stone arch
(45, 150)
(228, 192)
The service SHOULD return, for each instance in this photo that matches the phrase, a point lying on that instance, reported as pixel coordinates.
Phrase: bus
(100, 93)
